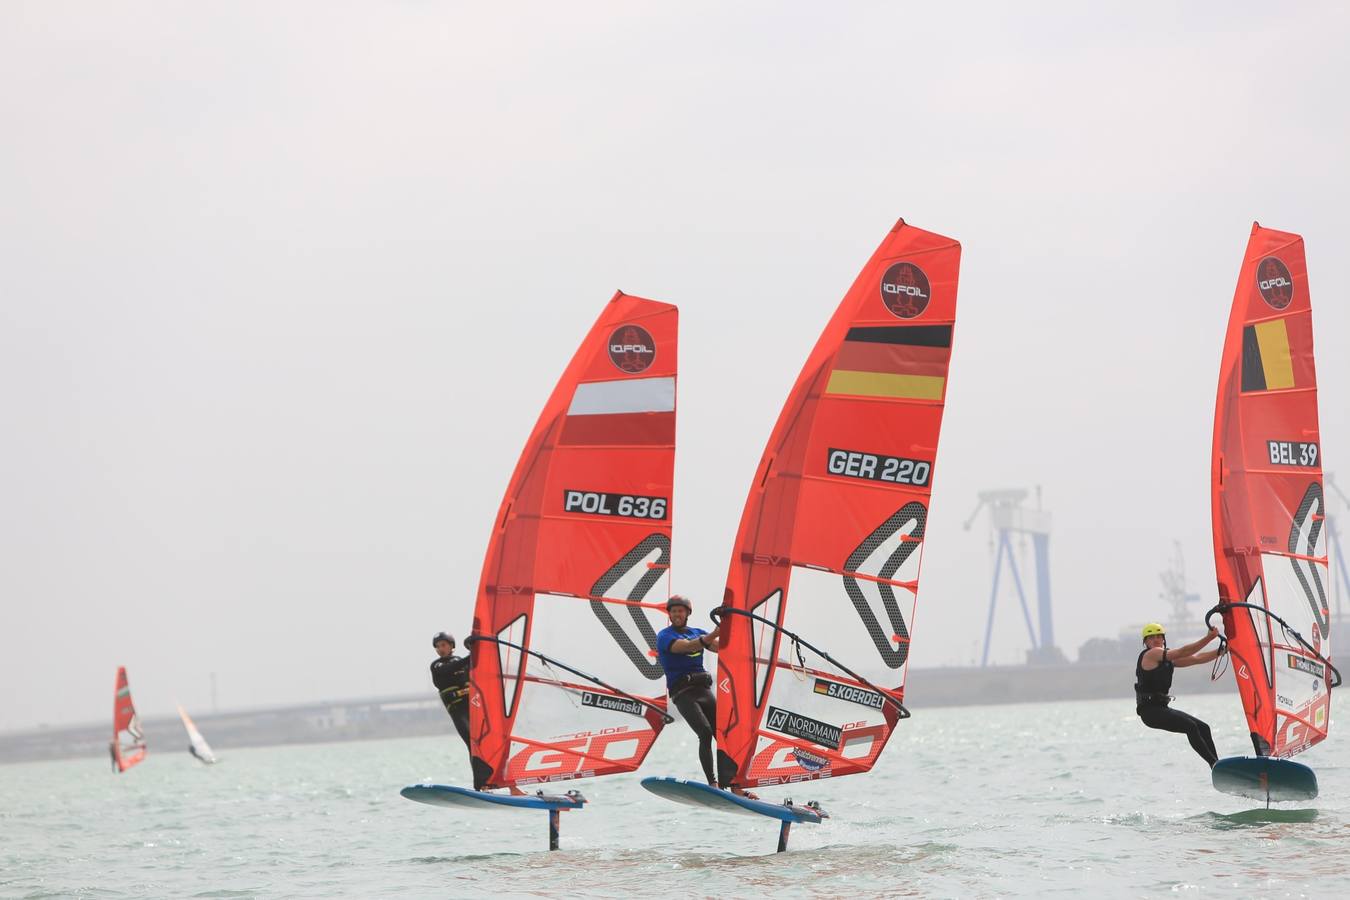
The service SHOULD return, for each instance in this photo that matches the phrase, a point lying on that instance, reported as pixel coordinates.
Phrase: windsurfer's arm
(1198, 659)
(1194, 647)
(690, 646)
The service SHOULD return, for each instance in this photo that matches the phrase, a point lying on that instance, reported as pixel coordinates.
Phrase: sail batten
(579, 559)
(826, 565)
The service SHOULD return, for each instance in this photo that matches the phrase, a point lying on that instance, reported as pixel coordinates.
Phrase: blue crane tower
(1007, 516)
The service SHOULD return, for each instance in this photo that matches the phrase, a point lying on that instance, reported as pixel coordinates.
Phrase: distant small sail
(128, 741)
(200, 748)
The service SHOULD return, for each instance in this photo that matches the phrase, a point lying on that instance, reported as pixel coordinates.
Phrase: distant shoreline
(416, 715)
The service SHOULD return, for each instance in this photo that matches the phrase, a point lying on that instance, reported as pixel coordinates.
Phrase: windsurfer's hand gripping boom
(1190, 654)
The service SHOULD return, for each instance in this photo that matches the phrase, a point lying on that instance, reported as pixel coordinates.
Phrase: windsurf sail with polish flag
(817, 616)
(1268, 504)
(197, 744)
(128, 741)
(565, 682)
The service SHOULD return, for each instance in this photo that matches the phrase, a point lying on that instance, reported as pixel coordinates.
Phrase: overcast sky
(283, 288)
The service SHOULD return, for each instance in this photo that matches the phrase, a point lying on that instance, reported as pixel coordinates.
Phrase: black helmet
(679, 600)
(442, 636)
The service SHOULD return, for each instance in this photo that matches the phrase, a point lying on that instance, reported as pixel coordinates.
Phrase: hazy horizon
(285, 288)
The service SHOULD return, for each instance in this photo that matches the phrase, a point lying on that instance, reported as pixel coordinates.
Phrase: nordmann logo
(799, 726)
(616, 704)
(632, 349)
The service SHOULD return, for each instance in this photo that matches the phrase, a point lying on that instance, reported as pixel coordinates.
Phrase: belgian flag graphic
(1266, 362)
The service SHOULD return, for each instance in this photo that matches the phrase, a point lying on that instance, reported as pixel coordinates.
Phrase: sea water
(1065, 799)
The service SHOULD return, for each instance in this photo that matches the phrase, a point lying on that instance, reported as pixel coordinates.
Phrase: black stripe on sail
(1253, 372)
(910, 335)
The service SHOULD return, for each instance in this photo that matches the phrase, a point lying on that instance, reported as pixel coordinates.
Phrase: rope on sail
(550, 662)
(798, 642)
(1289, 631)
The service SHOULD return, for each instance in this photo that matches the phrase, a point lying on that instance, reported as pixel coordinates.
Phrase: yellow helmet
(1151, 629)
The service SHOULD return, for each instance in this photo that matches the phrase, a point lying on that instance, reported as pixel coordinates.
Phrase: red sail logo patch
(905, 290)
(1274, 282)
(631, 349)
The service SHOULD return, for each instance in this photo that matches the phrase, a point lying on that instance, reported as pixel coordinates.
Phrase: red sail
(832, 534)
(128, 742)
(1268, 507)
(577, 567)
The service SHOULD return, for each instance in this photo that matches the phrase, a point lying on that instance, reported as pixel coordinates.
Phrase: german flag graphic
(1266, 362)
(903, 362)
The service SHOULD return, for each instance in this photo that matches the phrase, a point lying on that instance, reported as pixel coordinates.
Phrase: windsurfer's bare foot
(516, 792)
(742, 792)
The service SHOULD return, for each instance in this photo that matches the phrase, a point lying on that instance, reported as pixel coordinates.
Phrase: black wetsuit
(690, 688)
(1151, 689)
(693, 697)
(450, 674)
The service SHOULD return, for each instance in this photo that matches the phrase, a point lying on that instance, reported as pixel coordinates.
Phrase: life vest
(1152, 686)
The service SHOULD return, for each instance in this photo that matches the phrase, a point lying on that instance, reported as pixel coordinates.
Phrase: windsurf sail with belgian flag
(1268, 505)
(128, 741)
(565, 682)
(817, 616)
(197, 744)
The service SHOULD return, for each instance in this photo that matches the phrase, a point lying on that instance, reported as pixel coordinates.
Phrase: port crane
(1007, 516)
(1174, 589)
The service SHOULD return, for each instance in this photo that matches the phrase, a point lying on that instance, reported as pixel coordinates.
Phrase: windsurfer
(680, 648)
(1153, 681)
(450, 674)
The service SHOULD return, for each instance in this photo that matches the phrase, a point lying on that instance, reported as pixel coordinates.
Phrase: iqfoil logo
(905, 290)
(1274, 282)
(631, 349)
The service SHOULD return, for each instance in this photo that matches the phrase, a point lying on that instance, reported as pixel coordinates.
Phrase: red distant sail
(1268, 505)
(128, 742)
(577, 567)
(832, 534)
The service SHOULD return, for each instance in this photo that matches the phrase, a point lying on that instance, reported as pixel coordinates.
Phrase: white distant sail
(200, 748)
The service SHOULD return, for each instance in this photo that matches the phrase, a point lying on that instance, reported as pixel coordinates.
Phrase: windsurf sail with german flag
(128, 741)
(818, 612)
(1268, 505)
(565, 682)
